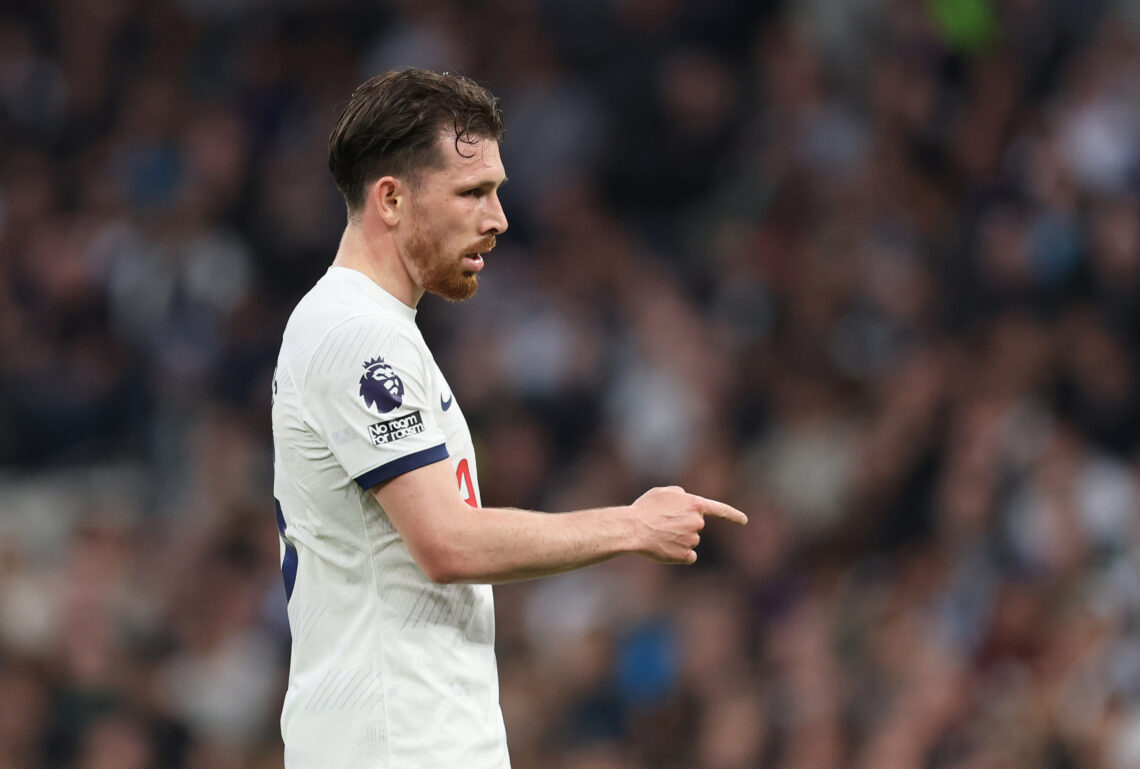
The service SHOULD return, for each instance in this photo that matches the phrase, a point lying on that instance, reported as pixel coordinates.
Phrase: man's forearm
(493, 545)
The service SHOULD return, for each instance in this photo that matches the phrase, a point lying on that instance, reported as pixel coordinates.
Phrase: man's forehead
(474, 155)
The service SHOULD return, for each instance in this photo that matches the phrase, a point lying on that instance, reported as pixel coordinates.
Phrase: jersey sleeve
(368, 394)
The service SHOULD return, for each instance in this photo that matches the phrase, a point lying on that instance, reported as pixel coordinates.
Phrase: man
(387, 566)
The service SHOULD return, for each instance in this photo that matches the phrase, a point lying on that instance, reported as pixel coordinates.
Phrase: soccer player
(387, 555)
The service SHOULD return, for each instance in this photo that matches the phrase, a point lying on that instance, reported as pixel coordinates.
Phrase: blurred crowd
(868, 270)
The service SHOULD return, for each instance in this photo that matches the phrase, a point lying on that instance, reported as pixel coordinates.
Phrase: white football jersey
(388, 669)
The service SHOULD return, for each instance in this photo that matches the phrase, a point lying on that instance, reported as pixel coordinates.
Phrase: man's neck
(377, 257)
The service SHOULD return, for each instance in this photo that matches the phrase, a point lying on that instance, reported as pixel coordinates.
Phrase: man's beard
(440, 275)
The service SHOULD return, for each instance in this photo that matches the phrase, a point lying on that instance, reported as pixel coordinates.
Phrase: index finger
(716, 509)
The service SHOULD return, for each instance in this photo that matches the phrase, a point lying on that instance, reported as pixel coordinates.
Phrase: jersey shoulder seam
(388, 319)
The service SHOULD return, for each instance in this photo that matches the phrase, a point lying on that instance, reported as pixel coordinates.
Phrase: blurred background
(869, 270)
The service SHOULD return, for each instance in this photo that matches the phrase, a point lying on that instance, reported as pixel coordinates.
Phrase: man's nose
(496, 222)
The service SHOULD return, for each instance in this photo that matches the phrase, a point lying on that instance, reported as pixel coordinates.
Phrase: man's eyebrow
(487, 184)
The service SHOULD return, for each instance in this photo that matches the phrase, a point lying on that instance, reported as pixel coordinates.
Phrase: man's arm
(454, 542)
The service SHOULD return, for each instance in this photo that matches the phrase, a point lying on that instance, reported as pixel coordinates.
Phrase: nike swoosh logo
(445, 404)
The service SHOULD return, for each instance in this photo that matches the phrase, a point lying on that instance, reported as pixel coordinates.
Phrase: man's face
(455, 216)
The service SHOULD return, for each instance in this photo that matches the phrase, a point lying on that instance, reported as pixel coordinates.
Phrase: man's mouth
(474, 259)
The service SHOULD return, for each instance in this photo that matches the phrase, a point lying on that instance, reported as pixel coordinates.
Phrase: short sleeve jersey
(388, 669)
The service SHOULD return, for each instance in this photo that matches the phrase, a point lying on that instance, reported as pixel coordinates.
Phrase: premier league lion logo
(380, 387)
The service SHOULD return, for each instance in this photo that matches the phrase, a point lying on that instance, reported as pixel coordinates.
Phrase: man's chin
(455, 288)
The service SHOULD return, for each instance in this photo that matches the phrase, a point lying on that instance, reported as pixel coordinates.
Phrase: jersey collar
(374, 291)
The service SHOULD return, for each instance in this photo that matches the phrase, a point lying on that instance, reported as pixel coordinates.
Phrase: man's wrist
(627, 529)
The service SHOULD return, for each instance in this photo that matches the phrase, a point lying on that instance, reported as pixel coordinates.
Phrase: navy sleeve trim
(404, 464)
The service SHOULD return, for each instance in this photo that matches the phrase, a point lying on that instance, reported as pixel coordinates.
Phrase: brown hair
(391, 126)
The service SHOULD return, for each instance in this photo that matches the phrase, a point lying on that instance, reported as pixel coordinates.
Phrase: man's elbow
(440, 574)
(443, 565)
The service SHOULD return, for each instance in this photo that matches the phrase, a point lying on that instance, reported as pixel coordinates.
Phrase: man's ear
(388, 196)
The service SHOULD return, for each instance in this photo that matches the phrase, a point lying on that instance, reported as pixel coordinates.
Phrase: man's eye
(474, 193)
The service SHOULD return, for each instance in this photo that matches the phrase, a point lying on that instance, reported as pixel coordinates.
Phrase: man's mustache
(483, 246)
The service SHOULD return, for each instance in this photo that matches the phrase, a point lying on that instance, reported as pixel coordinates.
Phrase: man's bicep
(423, 504)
